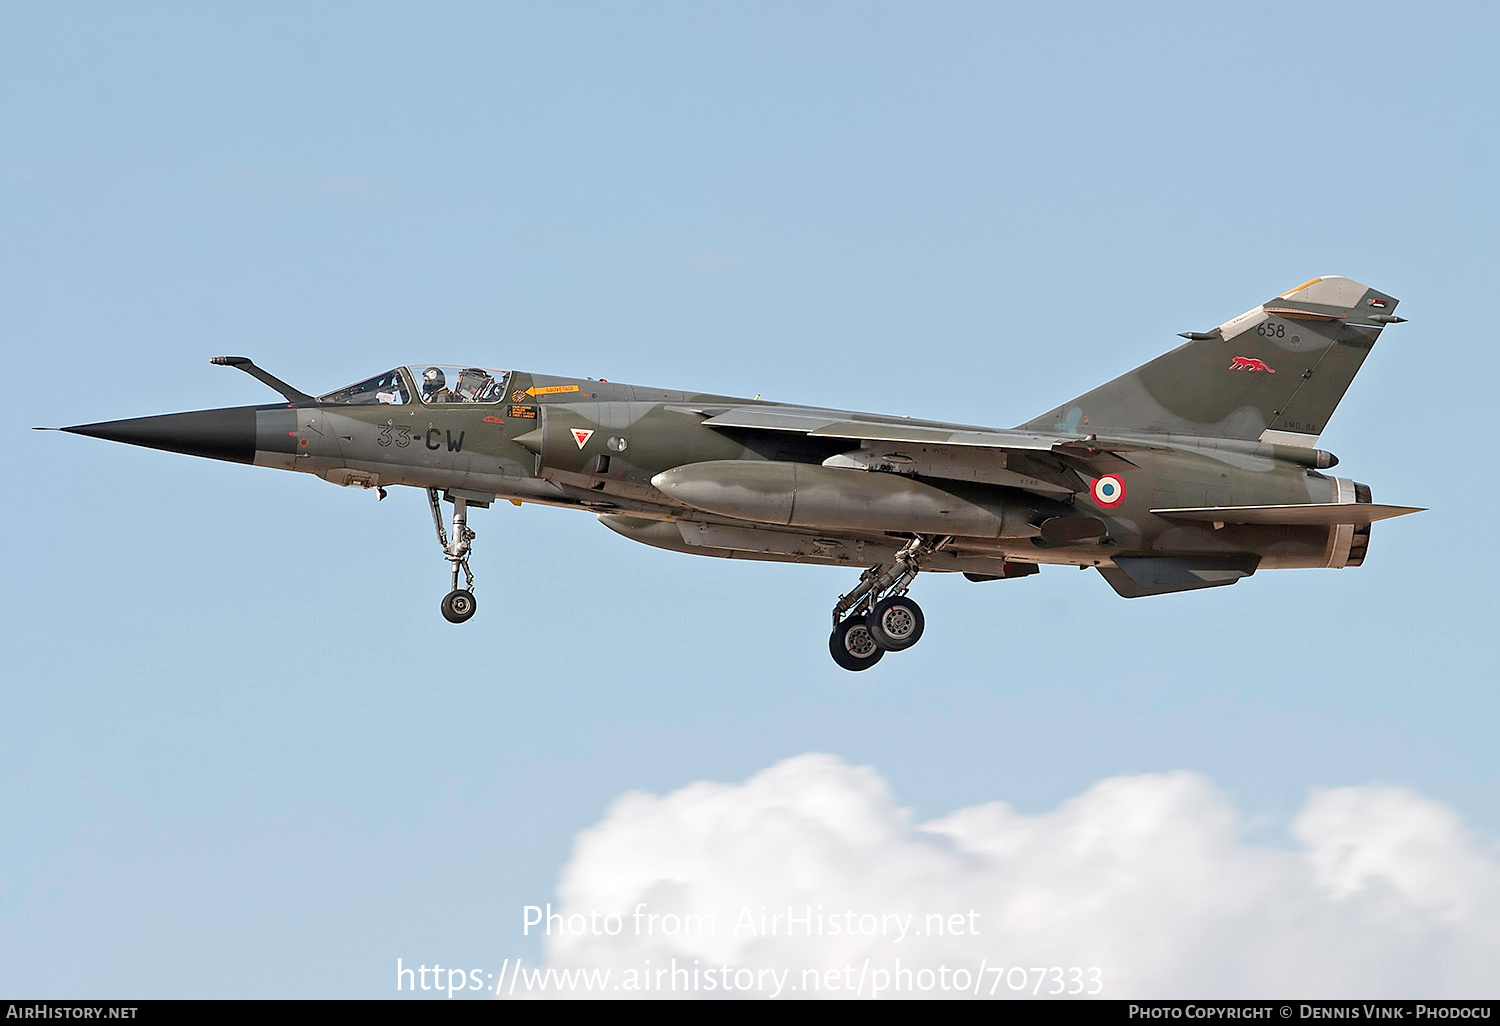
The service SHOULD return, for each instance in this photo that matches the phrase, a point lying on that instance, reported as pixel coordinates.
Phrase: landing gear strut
(877, 617)
(458, 604)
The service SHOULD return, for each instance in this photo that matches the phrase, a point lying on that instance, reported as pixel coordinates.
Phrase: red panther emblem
(1250, 364)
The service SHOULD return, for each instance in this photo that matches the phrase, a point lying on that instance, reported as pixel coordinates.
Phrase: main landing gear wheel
(896, 623)
(458, 606)
(852, 647)
(876, 617)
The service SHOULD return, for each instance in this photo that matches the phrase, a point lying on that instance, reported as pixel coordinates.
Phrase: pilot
(435, 387)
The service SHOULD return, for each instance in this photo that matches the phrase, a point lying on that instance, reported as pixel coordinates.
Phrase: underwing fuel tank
(835, 498)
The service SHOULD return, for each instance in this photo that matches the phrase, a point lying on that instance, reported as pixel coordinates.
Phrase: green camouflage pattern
(1194, 470)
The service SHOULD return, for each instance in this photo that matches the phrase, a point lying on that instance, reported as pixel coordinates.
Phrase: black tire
(852, 647)
(896, 624)
(458, 606)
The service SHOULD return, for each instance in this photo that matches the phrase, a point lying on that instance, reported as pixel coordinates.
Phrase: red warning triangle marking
(582, 437)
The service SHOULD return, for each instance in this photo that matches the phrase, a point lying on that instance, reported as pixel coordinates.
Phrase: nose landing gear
(877, 617)
(459, 604)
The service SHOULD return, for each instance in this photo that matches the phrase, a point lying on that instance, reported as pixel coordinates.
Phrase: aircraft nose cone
(218, 434)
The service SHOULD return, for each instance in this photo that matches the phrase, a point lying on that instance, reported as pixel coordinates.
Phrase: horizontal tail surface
(1318, 514)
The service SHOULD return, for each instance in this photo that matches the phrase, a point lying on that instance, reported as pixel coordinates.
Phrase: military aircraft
(1192, 471)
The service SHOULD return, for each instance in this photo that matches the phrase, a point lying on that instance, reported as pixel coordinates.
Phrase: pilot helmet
(432, 380)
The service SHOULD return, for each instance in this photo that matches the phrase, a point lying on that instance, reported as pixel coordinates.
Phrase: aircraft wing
(1048, 464)
(832, 424)
(837, 424)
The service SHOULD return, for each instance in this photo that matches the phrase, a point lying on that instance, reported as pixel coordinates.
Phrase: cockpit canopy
(432, 383)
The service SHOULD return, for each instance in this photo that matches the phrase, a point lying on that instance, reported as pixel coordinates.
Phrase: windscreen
(389, 388)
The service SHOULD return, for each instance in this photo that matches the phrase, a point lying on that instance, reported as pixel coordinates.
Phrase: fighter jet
(1192, 471)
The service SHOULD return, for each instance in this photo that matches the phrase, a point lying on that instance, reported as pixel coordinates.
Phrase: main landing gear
(458, 604)
(877, 617)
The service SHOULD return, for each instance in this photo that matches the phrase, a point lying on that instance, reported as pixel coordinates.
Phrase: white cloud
(1148, 878)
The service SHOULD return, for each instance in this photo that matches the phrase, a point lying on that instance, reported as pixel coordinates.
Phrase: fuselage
(1194, 470)
(604, 447)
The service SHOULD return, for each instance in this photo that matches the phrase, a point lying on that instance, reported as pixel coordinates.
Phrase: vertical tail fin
(1274, 373)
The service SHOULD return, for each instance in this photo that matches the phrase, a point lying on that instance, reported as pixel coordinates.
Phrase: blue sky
(242, 753)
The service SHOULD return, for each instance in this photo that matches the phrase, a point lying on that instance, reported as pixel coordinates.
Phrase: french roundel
(1108, 491)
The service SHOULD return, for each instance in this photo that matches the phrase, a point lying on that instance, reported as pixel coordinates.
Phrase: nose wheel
(877, 617)
(459, 604)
